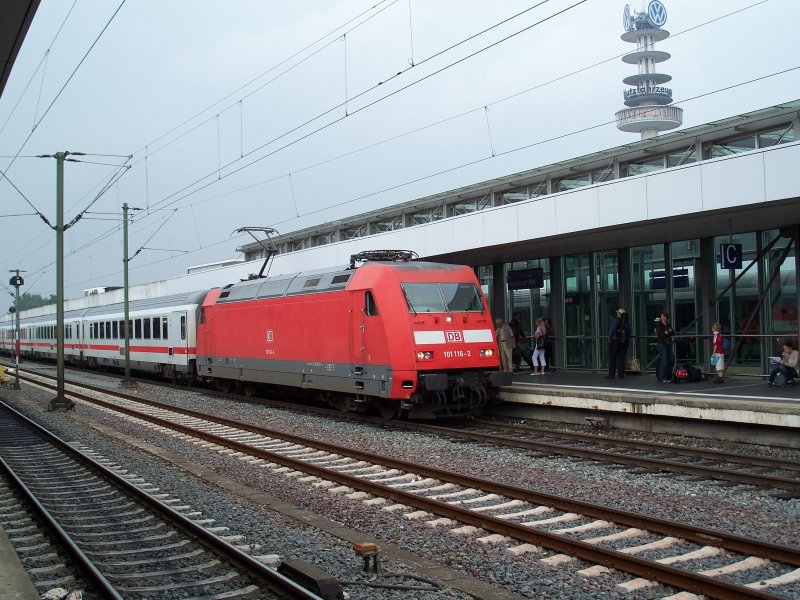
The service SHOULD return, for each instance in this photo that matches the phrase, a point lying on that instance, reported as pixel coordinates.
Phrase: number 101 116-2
(457, 353)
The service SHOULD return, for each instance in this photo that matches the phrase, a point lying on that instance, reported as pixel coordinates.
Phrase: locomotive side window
(462, 297)
(369, 304)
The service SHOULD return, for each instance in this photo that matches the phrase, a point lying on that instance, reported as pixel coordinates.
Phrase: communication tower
(649, 112)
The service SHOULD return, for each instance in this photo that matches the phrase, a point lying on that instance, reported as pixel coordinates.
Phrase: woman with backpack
(618, 335)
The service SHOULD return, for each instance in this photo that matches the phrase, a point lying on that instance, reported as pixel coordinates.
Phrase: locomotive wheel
(249, 389)
(388, 409)
(225, 386)
(340, 403)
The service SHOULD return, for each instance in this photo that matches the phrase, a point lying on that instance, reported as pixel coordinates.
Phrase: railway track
(119, 537)
(523, 520)
(761, 471)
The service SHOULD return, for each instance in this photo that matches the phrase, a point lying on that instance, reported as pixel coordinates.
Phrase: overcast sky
(228, 109)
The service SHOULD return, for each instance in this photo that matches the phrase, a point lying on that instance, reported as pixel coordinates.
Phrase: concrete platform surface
(640, 401)
(14, 581)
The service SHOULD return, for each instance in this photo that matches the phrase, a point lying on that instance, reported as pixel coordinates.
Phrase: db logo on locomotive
(454, 336)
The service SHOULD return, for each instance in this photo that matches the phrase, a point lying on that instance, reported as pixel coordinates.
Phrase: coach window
(146, 332)
(115, 330)
(156, 329)
(137, 329)
(183, 327)
(369, 305)
(95, 331)
(164, 330)
(108, 330)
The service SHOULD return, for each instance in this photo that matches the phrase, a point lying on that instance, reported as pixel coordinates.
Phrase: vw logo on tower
(657, 13)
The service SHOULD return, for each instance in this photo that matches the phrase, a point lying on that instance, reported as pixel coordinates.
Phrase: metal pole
(60, 401)
(16, 358)
(126, 382)
(17, 281)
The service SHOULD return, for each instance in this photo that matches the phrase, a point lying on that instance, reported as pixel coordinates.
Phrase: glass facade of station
(757, 304)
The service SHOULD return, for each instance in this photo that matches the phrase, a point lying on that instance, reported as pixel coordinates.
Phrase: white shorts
(720, 366)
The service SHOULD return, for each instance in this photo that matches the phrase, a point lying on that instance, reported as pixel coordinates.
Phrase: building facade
(648, 226)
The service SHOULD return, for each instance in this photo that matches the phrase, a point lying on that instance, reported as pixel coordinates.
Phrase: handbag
(714, 359)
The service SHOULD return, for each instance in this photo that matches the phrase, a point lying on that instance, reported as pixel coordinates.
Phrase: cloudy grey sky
(256, 113)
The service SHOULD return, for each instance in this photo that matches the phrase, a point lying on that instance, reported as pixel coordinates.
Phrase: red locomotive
(402, 336)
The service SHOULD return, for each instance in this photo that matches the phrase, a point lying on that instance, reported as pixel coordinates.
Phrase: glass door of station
(578, 302)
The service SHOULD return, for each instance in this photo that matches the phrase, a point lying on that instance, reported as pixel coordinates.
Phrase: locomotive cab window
(462, 297)
(370, 308)
(442, 297)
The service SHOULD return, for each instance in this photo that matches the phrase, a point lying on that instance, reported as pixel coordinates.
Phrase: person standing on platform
(718, 352)
(539, 360)
(549, 344)
(664, 332)
(519, 353)
(618, 335)
(505, 343)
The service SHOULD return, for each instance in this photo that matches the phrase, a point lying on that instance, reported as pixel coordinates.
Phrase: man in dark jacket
(520, 352)
(618, 336)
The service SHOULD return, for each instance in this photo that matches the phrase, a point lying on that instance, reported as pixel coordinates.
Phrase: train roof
(134, 305)
(313, 282)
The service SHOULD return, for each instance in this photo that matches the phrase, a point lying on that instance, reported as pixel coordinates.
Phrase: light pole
(17, 281)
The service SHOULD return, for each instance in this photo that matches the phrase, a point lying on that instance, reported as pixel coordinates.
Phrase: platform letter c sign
(730, 256)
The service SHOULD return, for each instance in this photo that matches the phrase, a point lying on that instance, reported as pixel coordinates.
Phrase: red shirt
(717, 343)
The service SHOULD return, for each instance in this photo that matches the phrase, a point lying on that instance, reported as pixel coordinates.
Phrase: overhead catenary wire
(335, 205)
(366, 90)
(358, 110)
(507, 152)
(507, 97)
(4, 173)
(467, 112)
(36, 70)
(245, 86)
(498, 101)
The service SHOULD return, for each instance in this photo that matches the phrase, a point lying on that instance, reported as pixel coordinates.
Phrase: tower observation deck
(648, 101)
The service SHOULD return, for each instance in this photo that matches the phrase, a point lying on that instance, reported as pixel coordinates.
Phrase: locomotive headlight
(428, 355)
(449, 319)
(488, 352)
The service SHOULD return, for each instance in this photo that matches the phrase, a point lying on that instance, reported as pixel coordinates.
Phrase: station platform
(14, 581)
(742, 409)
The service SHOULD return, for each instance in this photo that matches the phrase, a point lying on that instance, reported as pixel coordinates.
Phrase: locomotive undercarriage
(438, 395)
(452, 395)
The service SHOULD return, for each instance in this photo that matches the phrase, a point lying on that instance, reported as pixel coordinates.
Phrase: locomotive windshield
(442, 297)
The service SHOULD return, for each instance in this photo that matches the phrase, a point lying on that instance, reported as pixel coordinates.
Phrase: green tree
(28, 301)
